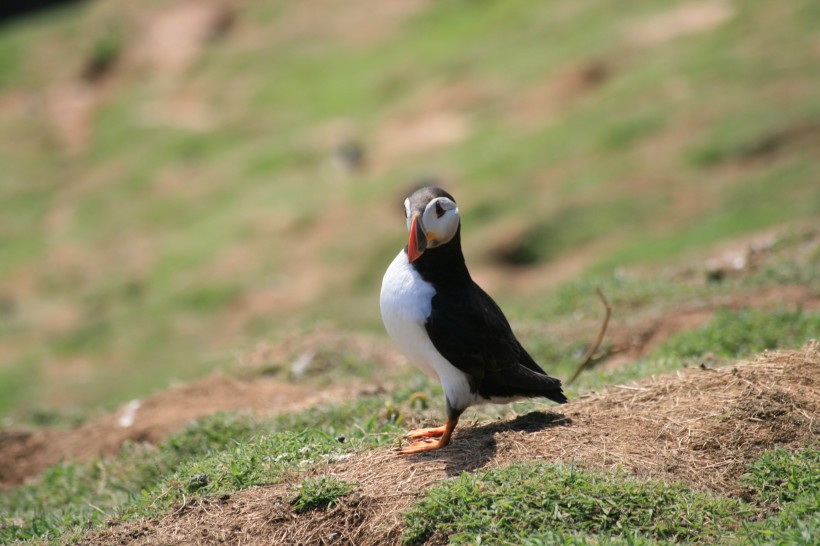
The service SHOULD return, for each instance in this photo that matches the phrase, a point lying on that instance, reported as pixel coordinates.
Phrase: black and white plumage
(448, 326)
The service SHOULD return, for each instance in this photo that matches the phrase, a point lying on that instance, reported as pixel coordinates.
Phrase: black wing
(469, 329)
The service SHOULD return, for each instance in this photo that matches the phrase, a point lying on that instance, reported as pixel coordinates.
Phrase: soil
(701, 427)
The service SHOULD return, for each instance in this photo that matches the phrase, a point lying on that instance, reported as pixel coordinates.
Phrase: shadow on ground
(482, 448)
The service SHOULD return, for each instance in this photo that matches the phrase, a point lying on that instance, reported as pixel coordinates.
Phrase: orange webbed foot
(434, 432)
(420, 446)
(425, 438)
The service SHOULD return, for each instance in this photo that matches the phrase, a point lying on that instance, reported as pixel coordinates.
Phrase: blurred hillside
(180, 180)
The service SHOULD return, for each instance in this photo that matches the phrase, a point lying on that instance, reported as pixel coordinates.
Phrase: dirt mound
(700, 427)
(26, 453)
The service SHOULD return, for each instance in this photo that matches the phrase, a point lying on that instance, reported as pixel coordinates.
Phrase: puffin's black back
(469, 329)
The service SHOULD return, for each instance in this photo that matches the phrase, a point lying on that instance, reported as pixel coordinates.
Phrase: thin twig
(598, 341)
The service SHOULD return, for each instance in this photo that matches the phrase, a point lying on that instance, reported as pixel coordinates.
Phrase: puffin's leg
(427, 443)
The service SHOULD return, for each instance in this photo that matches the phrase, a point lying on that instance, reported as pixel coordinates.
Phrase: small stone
(197, 481)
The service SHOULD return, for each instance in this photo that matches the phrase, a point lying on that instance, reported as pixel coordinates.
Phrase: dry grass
(701, 427)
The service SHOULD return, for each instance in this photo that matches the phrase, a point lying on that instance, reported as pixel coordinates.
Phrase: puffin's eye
(439, 210)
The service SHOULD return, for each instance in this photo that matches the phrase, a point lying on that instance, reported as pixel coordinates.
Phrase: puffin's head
(432, 219)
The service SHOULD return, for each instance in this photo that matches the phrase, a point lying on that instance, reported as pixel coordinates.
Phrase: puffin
(450, 328)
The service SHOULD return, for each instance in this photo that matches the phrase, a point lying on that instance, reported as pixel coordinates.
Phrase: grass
(258, 177)
(157, 249)
(539, 503)
(219, 454)
(226, 453)
(781, 477)
(731, 334)
(73, 496)
(319, 493)
(746, 332)
(229, 452)
(509, 504)
(787, 485)
(14, 384)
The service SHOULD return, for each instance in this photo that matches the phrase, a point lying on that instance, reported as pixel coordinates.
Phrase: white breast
(406, 302)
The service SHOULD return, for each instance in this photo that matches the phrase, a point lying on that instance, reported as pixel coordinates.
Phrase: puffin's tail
(522, 381)
(556, 393)
(550, 387)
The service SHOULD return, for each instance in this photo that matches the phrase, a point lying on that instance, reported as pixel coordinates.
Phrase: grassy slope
(152, 245)
(230, 452)
(667, 142)
(556, 504)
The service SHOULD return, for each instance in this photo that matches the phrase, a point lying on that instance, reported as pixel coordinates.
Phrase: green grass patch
(801, 269)
(261, 460)
(15, 384)
(730, 334)
(323, 367)
(509, 504)
(208, 298)
(627, 132)
(624, 293)
(555, 538)
(780, 476)
(319, 493)
(787, 488)
(568, 228)
(744, 333)
(292, 443)
(540, 504)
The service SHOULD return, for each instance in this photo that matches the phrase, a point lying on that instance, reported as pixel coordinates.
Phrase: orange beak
(418, 240)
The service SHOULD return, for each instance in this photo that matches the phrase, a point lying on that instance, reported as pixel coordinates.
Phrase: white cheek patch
(443, 228)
